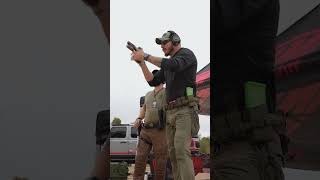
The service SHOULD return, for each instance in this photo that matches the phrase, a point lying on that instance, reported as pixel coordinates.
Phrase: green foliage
(119, 170)
(116, 121)
(205, 145)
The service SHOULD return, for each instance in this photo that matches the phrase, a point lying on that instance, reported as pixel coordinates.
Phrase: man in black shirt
(179, 74)
(246, 143)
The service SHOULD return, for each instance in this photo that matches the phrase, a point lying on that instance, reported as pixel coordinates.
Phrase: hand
(137, 123)
(138, 55)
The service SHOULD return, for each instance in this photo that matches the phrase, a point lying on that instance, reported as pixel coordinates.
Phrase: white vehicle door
(119, 140)
(133, 140)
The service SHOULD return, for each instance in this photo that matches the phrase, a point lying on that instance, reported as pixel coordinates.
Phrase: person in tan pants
(152, 135)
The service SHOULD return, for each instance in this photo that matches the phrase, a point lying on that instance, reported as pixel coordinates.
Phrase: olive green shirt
(152, 104)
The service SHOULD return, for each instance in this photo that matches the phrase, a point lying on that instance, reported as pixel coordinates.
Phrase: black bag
(102, 126)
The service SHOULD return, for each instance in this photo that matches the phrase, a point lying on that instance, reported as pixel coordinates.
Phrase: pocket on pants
(195, 125)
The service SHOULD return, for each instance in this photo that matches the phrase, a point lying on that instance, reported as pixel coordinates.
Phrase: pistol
(131, 46)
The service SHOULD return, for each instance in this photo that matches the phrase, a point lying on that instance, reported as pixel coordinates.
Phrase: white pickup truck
(123, 143)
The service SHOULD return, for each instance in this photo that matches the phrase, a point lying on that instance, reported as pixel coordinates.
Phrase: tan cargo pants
(179, 138)
(245, 153)
(243, 160)
(160, 150)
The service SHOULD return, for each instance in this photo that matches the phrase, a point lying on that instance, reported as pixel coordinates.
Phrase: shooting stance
(179, 74)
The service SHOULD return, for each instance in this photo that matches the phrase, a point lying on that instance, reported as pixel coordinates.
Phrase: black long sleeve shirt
(243, 50)
(178, 72)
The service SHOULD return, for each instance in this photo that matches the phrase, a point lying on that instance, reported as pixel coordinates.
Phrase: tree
(116, 121)
(205, 145)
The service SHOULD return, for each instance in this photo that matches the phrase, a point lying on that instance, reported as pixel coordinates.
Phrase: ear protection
(174, 38)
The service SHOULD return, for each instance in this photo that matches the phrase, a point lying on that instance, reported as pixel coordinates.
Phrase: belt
(181, 101)
(239, 124)
(253, 118)
(149, 125)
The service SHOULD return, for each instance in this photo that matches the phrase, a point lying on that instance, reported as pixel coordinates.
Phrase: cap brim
(160, 40)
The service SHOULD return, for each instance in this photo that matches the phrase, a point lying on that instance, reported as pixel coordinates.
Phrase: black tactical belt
(180, 102)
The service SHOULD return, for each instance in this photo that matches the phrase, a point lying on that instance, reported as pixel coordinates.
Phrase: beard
(169, 51)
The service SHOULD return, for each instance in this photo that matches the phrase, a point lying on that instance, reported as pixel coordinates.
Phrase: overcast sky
(141, 22)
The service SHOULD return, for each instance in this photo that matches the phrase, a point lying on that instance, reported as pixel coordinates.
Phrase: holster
(162, 119)
(139, 129)
(193, 103)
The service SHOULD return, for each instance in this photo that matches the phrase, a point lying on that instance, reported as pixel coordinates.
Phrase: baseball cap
(165, 37)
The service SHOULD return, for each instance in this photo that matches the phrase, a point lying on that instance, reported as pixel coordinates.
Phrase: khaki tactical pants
(248, 148)
(179, 138)
(159, 145)
(242, 160)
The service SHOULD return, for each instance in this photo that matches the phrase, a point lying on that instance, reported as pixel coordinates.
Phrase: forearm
(138, 121)
(155, 60)
(141, 113)
(146, 72)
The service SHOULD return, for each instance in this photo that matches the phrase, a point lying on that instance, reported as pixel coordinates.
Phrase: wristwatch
(146, 56)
